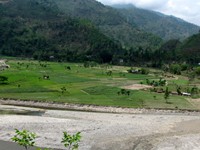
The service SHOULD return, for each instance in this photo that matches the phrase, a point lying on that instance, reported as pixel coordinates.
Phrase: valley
(94, 84)
(108, 77)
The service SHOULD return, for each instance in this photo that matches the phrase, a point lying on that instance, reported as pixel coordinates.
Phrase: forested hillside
(77, 30)
(171, 52)
(36, 28)
(166, 27)
(110, 22)
(190, 49)
(175, 51)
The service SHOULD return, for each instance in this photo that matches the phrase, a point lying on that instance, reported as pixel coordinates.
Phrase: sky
(188, 10)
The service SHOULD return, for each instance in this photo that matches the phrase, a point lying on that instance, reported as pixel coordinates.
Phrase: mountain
(166, 27)
(110, 21)
(190, 49)
(37, 28)
(176, 51)
(77, 30)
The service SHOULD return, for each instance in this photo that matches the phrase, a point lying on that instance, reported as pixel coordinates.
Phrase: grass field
(50, 81)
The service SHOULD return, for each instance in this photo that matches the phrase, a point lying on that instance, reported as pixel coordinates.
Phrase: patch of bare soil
(136, 87)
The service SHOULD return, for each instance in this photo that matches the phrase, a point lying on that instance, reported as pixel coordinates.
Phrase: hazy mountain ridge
(167, 27)
(110, 22)
(143, 26)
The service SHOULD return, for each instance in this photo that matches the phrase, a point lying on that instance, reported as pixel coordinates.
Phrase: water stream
(15, 110)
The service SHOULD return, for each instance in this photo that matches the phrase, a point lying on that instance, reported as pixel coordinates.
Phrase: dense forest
(110, 22)
(36, 28)
(42, 30)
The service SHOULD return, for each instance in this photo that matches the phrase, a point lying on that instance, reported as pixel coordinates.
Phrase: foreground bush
(27, 139)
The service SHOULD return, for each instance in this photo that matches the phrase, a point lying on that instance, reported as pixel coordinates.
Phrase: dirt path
(108, 131)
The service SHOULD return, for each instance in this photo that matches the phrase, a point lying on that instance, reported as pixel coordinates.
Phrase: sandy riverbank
(108, 131)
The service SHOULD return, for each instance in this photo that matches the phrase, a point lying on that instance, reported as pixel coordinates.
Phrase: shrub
(27, 139)
(197, 71)
(124, 92)
(63, 89)
(24, 138)
(3, 79)
(166, 95)
(161, 82)
(175, 69)
(184, 67)
(195, 90)
(144, 71)
(71, 141)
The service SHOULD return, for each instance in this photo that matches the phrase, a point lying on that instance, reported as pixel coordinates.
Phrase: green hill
(37, 28)
(190, 49)
(76, 30)
(110, 22)
(180, 52)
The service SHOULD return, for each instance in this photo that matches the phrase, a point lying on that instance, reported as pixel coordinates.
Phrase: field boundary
(95, 108)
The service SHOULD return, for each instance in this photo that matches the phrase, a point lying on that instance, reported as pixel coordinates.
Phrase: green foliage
(168, 51)
(185, 67)
(27, 139)
(185, 53)
(123, 92)
(158, 24)
(109, 73)
(24, 138)
(88, 64)
(166, 95)
(195, 90)
(190, 51)
(90, 86)
(197, 71)
(178, 89)
(63, 89)
(160, 82)
(71, 141)
(144, 71)
(110, 22)
(57, 37)
(175, 69)
(42, 29)
(3, 79)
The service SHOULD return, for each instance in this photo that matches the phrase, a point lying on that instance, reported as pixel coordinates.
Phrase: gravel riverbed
(157, 130)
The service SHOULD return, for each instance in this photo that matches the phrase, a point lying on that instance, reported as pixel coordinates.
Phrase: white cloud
(185, 9)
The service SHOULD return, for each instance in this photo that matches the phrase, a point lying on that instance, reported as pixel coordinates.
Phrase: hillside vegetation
(166, 27)
(191, 49)
(36, 28)
(110, 22)
(78, 31)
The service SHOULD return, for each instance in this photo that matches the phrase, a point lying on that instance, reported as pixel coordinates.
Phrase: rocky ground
(156, 130)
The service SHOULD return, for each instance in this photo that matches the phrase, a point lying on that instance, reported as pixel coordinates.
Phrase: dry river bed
(106, 131)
